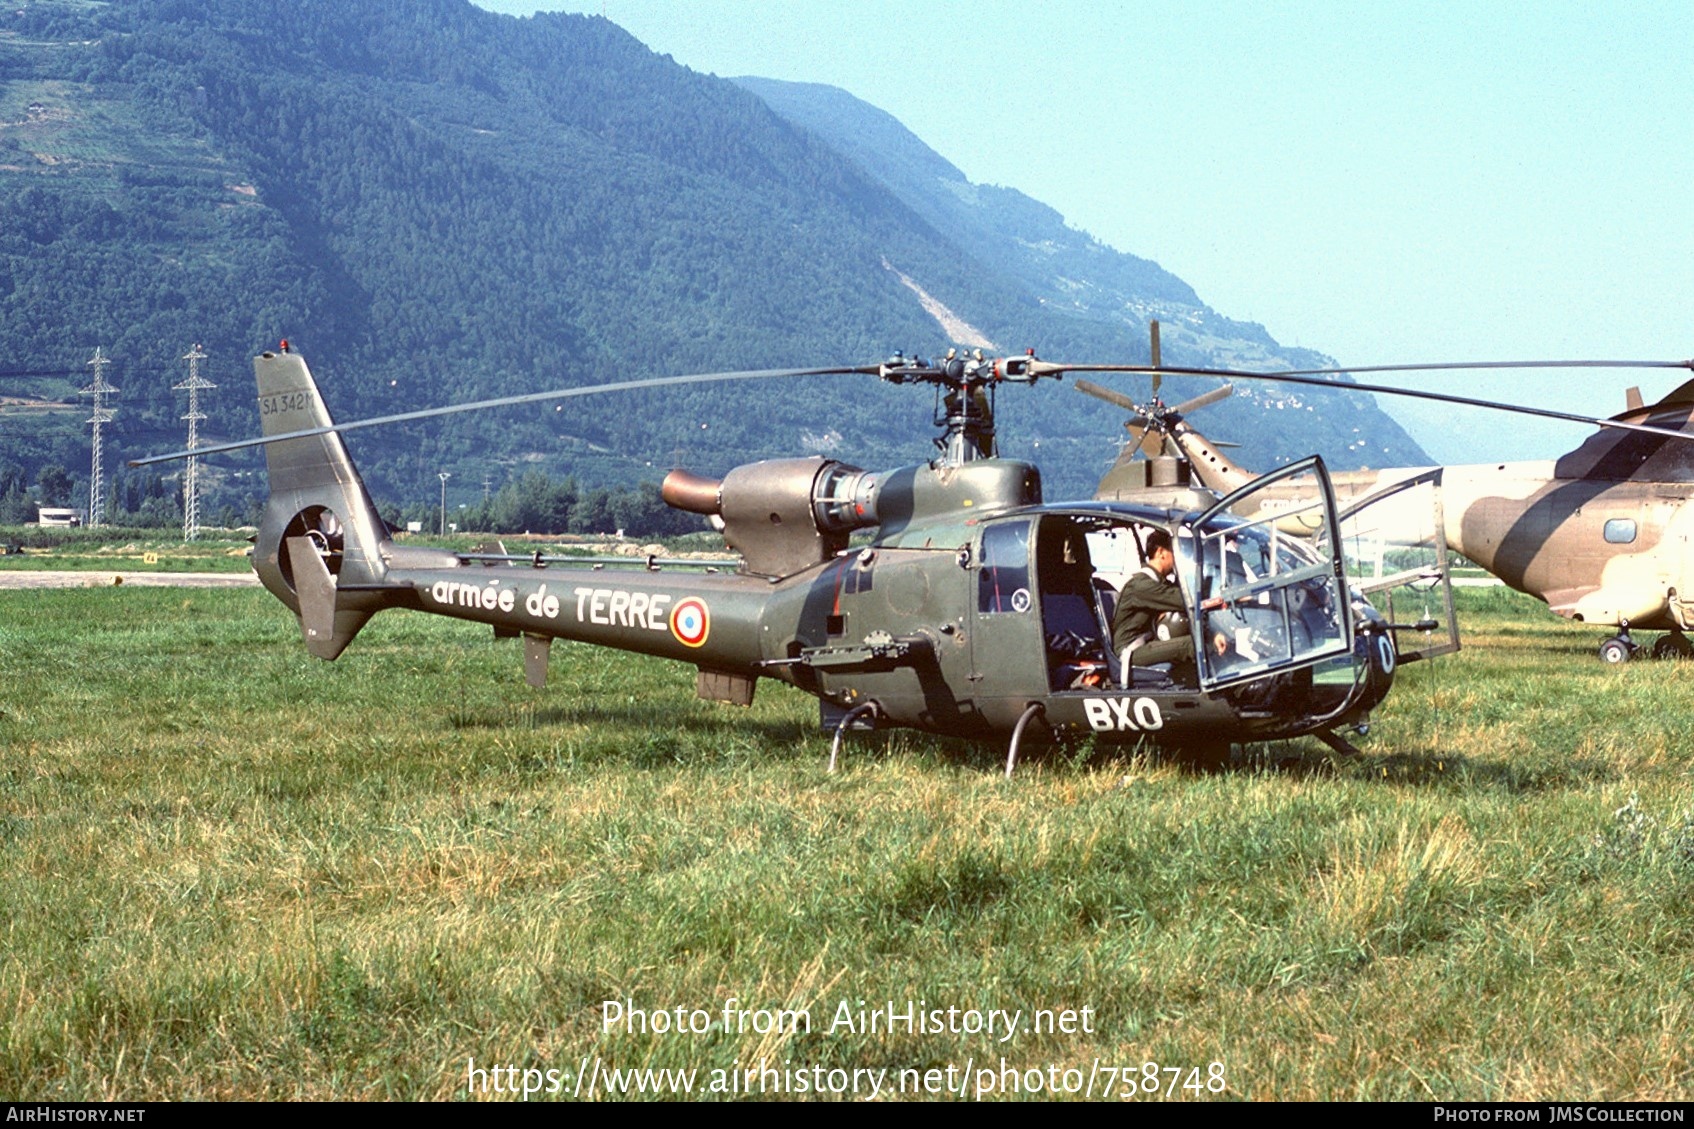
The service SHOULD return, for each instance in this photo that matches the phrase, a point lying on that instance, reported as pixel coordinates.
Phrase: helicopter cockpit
(1263, 595)
(1283, 603)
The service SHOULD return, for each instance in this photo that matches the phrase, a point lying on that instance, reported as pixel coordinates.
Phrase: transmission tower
(101, 417)
(191, 476)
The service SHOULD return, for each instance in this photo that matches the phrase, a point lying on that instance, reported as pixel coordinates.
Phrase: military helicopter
(975, 609)
(1601, 535)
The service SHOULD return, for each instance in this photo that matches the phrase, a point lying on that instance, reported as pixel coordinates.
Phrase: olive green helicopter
(968, 606)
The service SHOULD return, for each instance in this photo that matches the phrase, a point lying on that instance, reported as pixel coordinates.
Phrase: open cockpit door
(1396, 545)
(1269, 590)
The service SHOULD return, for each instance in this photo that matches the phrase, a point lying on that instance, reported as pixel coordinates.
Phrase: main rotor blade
(1478, 365)
(1310, 377)
(1223, 392)
(1089, 388)
(1150, 440)
(1046, 367)
(505, 401)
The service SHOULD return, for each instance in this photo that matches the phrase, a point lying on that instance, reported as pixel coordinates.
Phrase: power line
(128, 368)
(27, 372)
(191, 477)
(101, 417)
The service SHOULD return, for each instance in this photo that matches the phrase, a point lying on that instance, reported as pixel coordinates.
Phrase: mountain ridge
(438, 203)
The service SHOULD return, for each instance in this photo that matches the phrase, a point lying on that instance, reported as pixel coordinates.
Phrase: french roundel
(691, 622)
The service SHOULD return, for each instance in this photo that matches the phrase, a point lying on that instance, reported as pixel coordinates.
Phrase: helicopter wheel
(1614, 651)
(1675, 645)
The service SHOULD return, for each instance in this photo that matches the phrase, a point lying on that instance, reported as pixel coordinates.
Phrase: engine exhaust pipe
(692, 492)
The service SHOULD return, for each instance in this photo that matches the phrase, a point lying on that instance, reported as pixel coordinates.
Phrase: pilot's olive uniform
(1144, 598)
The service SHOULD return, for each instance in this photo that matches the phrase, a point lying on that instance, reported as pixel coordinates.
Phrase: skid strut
(1035, 710)
(848, 719)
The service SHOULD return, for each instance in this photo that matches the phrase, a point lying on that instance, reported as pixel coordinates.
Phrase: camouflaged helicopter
(975, 608)
(1602, 535)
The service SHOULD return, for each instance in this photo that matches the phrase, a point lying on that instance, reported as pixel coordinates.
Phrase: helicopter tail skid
(321, 545)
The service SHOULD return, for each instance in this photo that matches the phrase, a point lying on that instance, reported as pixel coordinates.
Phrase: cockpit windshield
(1271, 588)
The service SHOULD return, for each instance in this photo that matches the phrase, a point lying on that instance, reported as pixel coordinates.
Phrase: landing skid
(1335, 741)
(848, 721)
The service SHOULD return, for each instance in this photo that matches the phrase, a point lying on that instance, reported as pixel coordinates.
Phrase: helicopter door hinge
(536, 649)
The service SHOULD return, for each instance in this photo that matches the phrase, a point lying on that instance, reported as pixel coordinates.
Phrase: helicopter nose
(1381, 653)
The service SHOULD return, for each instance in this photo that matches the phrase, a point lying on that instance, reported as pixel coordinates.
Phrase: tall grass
(229, 870)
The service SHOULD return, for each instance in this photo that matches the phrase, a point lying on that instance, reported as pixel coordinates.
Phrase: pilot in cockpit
(1150, 624)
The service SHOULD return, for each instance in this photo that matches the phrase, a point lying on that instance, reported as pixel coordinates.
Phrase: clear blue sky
(1383, 182)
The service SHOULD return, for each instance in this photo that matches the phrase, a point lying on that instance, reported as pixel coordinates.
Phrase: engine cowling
(781, 515)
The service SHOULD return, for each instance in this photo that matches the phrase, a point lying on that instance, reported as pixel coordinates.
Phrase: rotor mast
(965, 385)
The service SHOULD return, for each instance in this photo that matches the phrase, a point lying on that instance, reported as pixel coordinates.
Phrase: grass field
(221, 550)
(228, 870)
(119, 551)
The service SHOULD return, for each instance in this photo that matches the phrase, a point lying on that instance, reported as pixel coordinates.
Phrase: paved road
(33, 578)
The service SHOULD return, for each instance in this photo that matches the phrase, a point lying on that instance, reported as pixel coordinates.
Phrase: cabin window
(1003, 578)
(1620, 531)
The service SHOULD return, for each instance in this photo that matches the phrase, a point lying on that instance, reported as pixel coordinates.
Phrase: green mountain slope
(434, 202)
(1070, 272)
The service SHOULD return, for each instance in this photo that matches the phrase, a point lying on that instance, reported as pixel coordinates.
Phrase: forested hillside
(434, 202)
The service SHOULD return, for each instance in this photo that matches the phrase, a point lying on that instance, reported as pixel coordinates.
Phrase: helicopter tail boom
(320, 547)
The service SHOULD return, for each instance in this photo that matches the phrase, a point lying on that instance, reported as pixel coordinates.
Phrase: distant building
(50, 515)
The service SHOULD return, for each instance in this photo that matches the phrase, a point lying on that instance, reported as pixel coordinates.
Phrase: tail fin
(1610, 455)
(319, 548)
